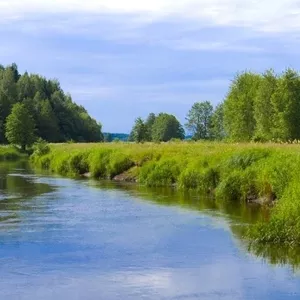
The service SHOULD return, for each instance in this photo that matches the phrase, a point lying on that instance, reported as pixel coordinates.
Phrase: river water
(81, 239)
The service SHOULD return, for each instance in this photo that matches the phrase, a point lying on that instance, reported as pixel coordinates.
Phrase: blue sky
(124, 59)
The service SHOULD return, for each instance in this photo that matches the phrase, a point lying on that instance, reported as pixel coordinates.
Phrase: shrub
(203, 180)
(40, 147)
(160, 173)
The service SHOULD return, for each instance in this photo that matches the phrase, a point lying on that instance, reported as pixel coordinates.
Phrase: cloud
(159, 55)
(265, 15)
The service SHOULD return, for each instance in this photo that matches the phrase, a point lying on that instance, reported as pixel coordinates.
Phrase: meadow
(268, 174)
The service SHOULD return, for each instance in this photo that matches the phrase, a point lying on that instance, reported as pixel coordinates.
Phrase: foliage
(263, 107)
(199, 120)
(217, 130)
(41, 147)
(20, 126)
(262, 172)
(139, 131)
(239, 118)
(166, 127)
(263, 110)
(149, 125)
(9, 153)
(57, 118)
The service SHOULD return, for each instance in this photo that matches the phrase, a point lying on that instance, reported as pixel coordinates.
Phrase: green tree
(239, 118)
(149, 124)
(263, 108)
(25, 88)
(139, 131)
(46, 122)
(57, 117)
(286, 106)
(166, 127)
(217, 129)
(199, 120)
(20, 126)
(8, 96)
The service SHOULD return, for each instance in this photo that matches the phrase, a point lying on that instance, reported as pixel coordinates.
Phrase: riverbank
(9, 153)
(263, 173)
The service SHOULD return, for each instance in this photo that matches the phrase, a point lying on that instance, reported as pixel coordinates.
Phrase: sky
(124, 59)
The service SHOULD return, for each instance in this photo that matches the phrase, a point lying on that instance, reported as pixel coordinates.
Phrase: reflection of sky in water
(80, 242)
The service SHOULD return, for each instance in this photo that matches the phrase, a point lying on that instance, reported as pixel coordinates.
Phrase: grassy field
(265, 173)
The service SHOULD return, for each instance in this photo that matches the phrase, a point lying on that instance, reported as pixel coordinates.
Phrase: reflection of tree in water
(238, 216)
(16, 188)
(234, 212)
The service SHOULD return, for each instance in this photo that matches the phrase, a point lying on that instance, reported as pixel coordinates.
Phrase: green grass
(230, 172)
(8, 153)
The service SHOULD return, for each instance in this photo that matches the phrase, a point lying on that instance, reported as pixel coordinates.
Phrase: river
(83, 239)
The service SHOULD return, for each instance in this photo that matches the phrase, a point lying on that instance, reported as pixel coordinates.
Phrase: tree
(199, 120)
(56, 116)
(139, 131)
(239, 118)
(25, 87)
(263, 108)
(149, 124)
(166, 127)
(8, 96)
(217, 129)
(47, 124)
(286, 106)
(20, 126)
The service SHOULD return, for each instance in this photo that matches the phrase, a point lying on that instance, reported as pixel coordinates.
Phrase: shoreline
(259, 174)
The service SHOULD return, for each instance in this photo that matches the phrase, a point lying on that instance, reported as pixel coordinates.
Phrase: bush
(203, 180)
(238, 186)
(162, 173)
(98, 161)
(118, 163)
(78, 164)
(40, 147)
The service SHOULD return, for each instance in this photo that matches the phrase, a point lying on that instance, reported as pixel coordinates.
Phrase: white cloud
(263, 15)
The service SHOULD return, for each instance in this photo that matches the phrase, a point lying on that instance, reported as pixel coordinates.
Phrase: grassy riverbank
(9, 153)
(264, 173)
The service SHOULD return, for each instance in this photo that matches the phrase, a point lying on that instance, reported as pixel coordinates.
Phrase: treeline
(263, 107)
(45, 110)
(258, 107)
(158, 128)
(203, 122)
(113, 137)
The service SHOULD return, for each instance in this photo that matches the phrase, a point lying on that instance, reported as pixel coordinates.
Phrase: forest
(32, 106)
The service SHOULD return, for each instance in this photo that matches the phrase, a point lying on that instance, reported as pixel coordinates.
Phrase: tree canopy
(166, 127)
(263, 107)
(57, 118)
(20, 126)
(199, 120)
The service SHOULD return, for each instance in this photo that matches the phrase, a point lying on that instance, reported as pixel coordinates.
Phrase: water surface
(80, 239)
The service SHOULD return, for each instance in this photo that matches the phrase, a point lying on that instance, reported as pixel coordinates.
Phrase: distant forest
(52, 113)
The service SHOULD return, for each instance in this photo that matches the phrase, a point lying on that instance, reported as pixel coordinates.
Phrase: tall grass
(230, 172)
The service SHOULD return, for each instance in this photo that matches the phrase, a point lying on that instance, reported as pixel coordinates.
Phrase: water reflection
(237, 215)
(91, 240)
(17, 186)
